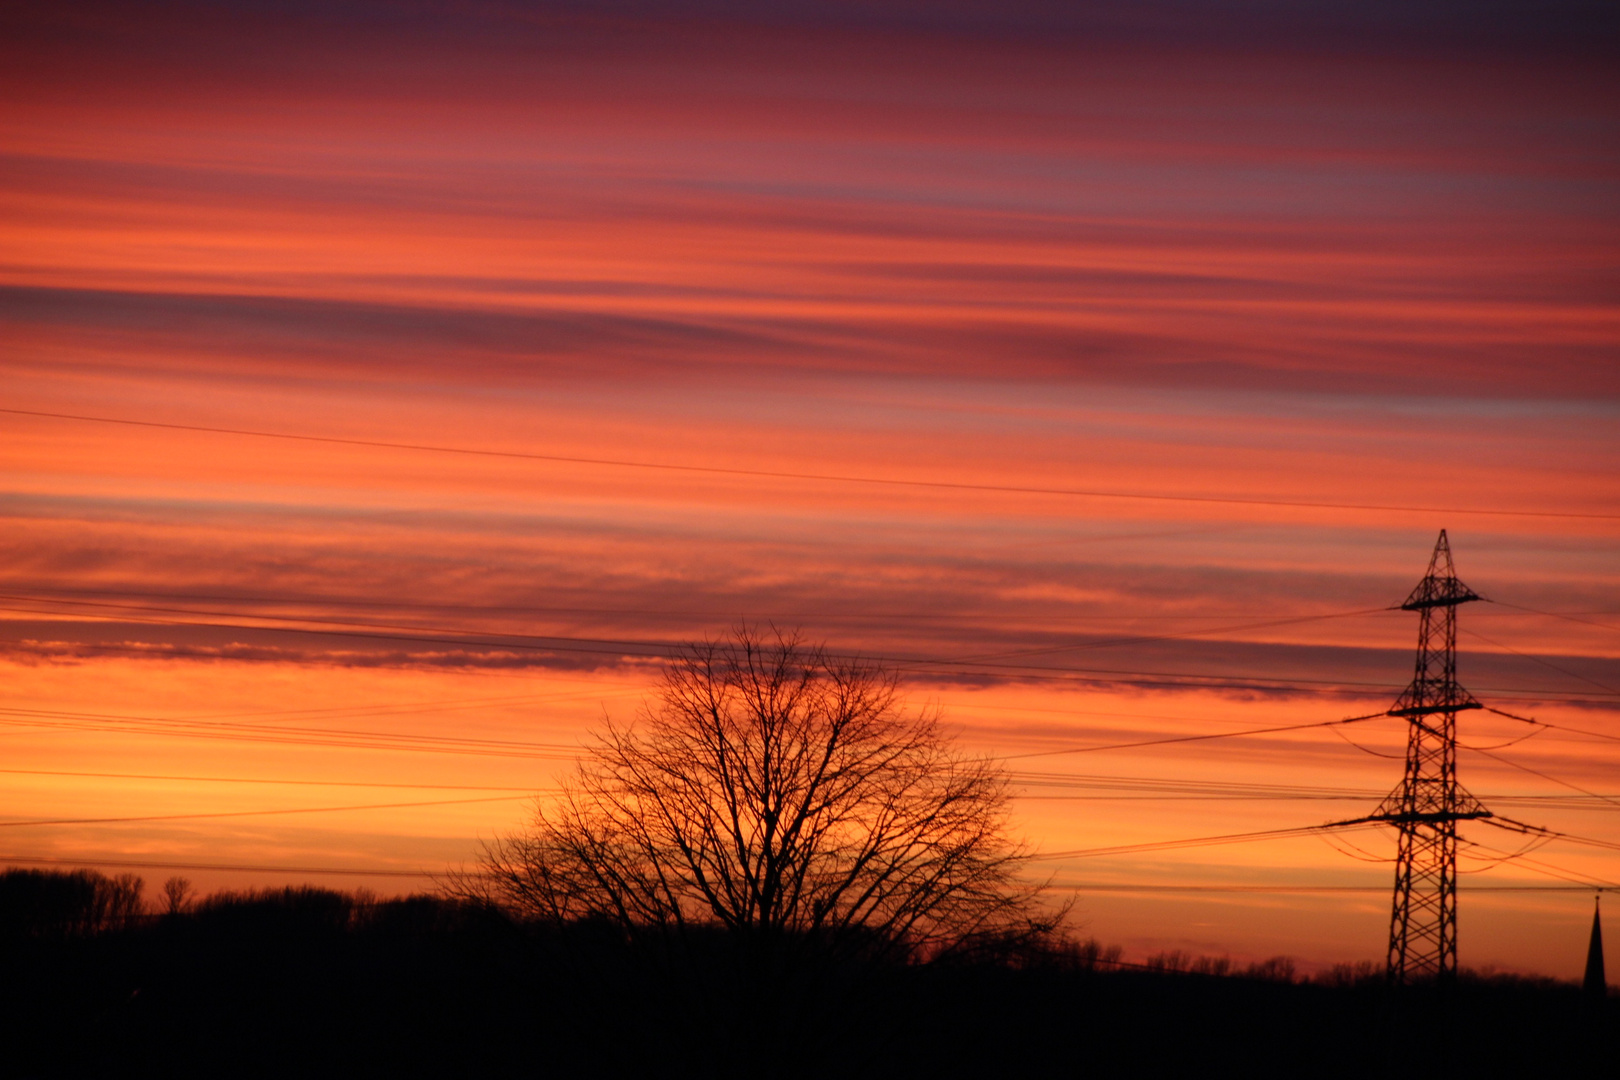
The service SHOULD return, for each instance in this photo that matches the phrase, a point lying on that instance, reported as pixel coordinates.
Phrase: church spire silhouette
(1595, 983)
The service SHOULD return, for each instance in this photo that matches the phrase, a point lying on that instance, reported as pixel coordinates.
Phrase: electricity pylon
(1429, 802)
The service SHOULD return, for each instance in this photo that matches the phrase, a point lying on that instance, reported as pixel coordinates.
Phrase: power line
(263, 780)
(1547, 724)
(356, 712)
(660, 650)
(1549, 870)
(1380, 890)
(148, 865)
(48, 717)
(1468, 850)
(1189, 797)
(260, 813)
(1536, 830)
(1190, 738)
(1156, 783)
(1148, 638)
(1155, 789)
(419, 630)
(904, 666)
(1199, 841)
(1544, 776)
(1345, 847)
(468, 638)
(147, 725)
(1557, 615)
(1523, 858)
(1023, 614)
(1173, 784)
(143, 864)
(771, 474)
(382, 740)
(1542, 661)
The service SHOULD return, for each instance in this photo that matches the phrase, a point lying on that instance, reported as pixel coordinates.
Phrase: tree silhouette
(785, 795)
(58, 904)
(176, 895)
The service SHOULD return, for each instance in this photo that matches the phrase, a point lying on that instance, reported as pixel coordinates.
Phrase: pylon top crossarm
(1438, 592)
(1439, 587)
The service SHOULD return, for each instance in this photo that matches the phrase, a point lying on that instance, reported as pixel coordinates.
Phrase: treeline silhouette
(312, 981)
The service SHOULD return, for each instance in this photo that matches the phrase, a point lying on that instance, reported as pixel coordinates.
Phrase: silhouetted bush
(1277, 969)
(1361, 973)
(1173, 962)
(1071, 954)
(1212, 965)
(294, 909)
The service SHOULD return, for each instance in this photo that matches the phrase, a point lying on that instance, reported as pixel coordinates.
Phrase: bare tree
(176, 895)
(785, 795)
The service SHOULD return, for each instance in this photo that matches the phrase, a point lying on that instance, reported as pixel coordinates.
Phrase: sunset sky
(385, 394)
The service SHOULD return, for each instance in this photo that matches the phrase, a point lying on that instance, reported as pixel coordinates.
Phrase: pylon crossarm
(1371, 819)
(1412, 712)
(1436, 818)
(1447, 594)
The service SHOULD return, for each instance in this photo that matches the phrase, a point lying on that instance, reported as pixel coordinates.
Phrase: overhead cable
(772, 474)
(258, 813)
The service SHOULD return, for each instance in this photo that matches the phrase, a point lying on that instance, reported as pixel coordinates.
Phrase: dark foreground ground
(311, 983)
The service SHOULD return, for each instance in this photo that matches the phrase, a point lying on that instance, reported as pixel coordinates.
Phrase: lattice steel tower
(1429, 802)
